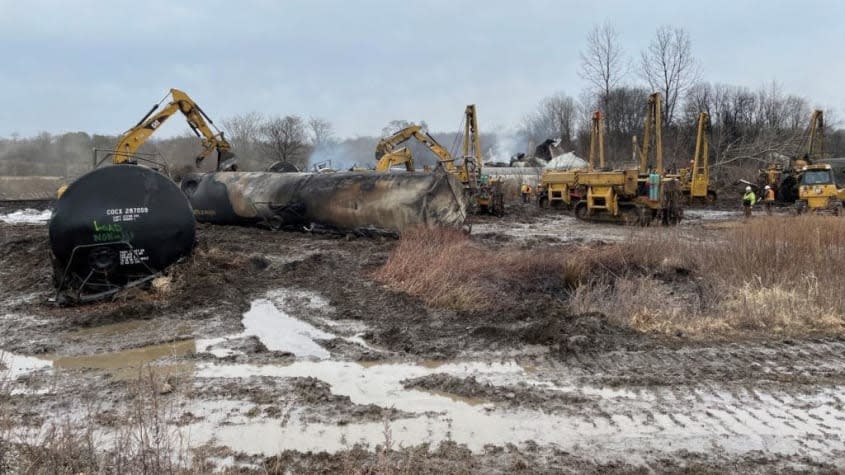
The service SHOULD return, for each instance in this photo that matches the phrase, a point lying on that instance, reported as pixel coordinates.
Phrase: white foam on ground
(26, 216)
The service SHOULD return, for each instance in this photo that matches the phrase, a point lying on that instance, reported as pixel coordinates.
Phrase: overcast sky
(97, 66)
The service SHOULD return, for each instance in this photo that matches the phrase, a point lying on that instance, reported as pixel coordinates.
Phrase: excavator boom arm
(388, 144)
(198, 121)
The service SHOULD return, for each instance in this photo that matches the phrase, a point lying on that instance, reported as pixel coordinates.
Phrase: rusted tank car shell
(345, 201)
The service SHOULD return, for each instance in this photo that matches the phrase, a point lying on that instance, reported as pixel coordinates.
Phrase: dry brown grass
(444, 268)
(767, 276)
(141, 438)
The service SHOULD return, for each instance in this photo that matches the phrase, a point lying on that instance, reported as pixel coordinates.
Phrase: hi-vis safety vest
(770, 195)
(749, 198)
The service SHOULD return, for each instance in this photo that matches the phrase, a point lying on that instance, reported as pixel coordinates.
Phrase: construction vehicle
(559, 188)
(630, 196)
(399, 157)
(815, 181)
(817, 190)
(785, 180)
(695, 180)
(213, 140)
(388, 156)
(486, 194)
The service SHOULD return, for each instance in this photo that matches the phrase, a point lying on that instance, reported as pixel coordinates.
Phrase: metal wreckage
(121, 226)
(356, 202)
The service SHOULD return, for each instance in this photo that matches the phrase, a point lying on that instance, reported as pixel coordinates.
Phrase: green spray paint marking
(110, 232)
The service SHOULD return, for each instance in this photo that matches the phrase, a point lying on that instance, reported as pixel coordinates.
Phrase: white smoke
(333, 155)
(506, 145)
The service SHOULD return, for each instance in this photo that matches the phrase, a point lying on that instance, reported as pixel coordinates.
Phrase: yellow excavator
(487, 194)
(204, 128)
(388, 156)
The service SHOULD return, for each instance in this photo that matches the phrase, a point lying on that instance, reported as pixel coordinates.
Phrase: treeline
(258, 141)
(748, 126)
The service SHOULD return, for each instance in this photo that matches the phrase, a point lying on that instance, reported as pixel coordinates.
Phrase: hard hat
(747, 188)
(768, 187)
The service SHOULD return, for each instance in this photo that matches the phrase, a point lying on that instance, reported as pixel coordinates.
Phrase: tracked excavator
(486, 194)
(388, 156)
(213, 141)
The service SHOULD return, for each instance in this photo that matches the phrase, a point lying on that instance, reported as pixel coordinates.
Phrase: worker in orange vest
(769, 199)
(526, 190)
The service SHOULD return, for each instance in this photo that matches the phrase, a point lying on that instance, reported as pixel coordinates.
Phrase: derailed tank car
(351, 202)
(117, 226)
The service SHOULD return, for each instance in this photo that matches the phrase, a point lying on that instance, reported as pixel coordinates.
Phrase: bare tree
(243, 128)
(554, 118)
(398, 124)
(286, 140)
(244, 133)
(669, 67)
(603, 63)
(322, 132)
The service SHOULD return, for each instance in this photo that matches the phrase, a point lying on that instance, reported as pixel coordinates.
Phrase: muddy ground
(278, 351)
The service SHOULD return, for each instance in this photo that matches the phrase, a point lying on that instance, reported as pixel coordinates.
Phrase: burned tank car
(117, 226)
(364, 202)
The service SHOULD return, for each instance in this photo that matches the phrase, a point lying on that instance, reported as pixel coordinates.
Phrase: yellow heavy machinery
(816, 183)
(785, 180)
(489, 197)
(631, 196)
(213, 141)
(398, 157)
(817, 190)
(560, 187)
(486, 194)
(695, 180)
(388, 156)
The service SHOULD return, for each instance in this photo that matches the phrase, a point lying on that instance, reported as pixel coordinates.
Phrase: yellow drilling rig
(695, 180)
(640, 195)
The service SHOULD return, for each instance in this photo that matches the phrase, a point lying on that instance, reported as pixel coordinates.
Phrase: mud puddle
(710, 215)
(127, 364)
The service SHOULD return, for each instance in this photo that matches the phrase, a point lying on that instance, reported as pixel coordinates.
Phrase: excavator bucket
(367, 203)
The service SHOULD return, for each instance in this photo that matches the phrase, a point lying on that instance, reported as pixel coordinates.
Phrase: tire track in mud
(777, 398)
